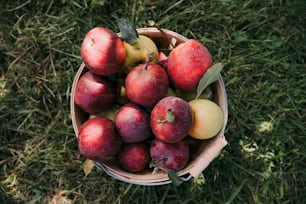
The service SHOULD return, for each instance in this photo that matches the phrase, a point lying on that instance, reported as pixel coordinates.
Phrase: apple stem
(146, 65)
(152, 23)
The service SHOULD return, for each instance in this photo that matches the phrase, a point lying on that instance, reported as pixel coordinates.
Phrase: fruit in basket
(94, 93)
(187, 63)
(98, 139)
(133, 123)
(102, 51)
(134, 157)
(207, 119)
(169, 156)
(171, 119)
(146, 84)
(140, 49)
(122, 99)
(163, 60)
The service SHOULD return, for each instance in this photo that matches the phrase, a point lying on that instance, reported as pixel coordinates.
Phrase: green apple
(141, 51)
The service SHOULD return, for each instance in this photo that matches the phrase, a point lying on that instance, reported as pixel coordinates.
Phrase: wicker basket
(200, 158)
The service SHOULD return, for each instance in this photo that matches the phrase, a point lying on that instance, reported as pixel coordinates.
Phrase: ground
(262, 45)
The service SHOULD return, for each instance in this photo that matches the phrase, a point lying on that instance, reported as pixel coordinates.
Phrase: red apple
(98, 139)
(171, 119)
(134, 157)
(170, 156)
(146, 84)
(187, 63)
(133, 123)
(102, 51)
(94, 93)
(163, 60)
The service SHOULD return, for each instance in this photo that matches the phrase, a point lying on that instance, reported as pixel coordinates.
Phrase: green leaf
(155, 164)
(176, 180)
(210, 76)
(128, 32)
(170, 117)
(173, 177)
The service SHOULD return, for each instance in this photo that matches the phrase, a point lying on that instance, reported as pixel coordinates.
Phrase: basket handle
(205, 158)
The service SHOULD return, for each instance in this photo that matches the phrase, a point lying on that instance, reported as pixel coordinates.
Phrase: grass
(262, 44)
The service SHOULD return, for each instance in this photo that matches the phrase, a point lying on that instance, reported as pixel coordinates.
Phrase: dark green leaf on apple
(210, 76)
(155, 164)
(170, 117)
(176, 180)
(128, 32)
(173, 177)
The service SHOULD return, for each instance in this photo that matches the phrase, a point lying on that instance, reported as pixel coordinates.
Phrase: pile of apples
(141, 100)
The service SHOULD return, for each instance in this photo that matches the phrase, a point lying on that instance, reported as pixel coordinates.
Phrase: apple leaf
(155, 164)
(210, 76)
(170, 117)
(128, 32)
(87, 167)
(176, 180)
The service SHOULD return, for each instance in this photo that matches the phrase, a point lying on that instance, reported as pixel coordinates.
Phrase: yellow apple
(141, 51)
(207, 119)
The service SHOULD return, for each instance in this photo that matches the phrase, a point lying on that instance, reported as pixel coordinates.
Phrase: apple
(98, 139)
(187, 63)
(146, 84)
(94, 93)
(134, 157)
(163, 60)
(102, 51)
(170, 156)
(139, 52)
(207, 119)
(171, 119)
(133, 123)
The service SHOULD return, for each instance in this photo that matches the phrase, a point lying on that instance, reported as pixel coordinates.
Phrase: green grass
(263, 46)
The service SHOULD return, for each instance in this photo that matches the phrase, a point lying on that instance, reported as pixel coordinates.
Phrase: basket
(200, 158)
